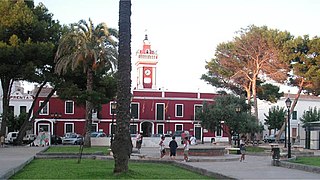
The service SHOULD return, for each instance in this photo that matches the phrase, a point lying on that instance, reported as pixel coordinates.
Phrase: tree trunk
(5, 104)
(89, 107)
(27, 123)
(292, 108)
(122, 145)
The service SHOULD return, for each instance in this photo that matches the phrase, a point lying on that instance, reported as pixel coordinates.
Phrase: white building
(20, 101)
(296, 130)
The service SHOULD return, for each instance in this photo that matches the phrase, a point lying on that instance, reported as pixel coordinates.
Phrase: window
(69, 107)
(179, 127)
(160, 111)
(45, 109)
(23, 109)
(219, 130)
(133, 129)
(160, 129)
(179, 110)
(11, 110)
(197, 110)
(294, 115)
(69, 128)
(94, 127)
(135, 110)
(112, 104)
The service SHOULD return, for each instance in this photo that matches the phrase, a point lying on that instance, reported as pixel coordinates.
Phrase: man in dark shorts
(173, 148)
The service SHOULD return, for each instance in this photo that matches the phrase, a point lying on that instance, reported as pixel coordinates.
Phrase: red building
(154, 111)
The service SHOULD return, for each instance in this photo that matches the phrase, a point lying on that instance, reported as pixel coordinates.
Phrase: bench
(228, 149)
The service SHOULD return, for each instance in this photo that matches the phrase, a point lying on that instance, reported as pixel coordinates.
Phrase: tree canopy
(28, 35)
(222, 114)
(275, 118)
(92, 49)
(256, 53)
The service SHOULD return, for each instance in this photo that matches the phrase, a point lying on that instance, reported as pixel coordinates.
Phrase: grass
(75, 149)
(254, 149)
(98, 169)
(314, 161)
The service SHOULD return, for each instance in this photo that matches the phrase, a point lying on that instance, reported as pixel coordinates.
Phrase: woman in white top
(162, 147)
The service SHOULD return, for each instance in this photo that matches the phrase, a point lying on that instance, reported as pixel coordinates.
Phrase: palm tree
(89, 48)
(122, 145)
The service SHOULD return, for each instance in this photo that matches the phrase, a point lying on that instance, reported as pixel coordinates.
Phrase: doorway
(146, 128)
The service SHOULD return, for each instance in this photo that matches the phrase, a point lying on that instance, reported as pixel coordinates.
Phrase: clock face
(147, 72)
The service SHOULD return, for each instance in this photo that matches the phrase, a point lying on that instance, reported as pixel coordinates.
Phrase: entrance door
(146, 129)
(197, 132)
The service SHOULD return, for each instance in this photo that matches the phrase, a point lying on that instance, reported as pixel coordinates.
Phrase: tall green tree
(256, 52)
(27, 38)
(312, 115)
(122, 145)
(275, 118)
(88, 47)
(302, 54)
(224, 110)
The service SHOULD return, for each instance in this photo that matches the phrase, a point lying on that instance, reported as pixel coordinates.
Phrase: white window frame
(163, 128)
(175, 127)
(65, 107)
(65, 127)
(156, 111)
(194, 110)
(45, 107)
(137, 109)
(97, 127)
(176, 110)
(110, 108)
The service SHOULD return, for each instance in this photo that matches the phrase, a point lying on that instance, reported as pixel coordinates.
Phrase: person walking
(139, 141)
(162, 147)
(173, 148)
(243, 152)
(186, 149)
(2, 141)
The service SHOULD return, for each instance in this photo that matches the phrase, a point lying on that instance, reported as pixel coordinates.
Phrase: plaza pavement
(12, 159)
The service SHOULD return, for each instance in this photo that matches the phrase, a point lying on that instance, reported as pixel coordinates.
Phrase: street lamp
(288, 104)
(113, 109)
(238, 109)
(55, 116)
(285, 130)
(168, 124)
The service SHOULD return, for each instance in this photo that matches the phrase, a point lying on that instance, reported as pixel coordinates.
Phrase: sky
(185, 33)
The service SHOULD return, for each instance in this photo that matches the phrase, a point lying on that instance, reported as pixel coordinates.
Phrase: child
(162, 149)
(186, 149)
(173, 148)
(242, 151)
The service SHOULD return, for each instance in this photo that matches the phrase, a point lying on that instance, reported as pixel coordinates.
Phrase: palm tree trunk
(88, 127)
(122, 145)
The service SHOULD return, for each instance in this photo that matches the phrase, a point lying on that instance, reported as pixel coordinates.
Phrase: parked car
(272, 139)
(11, 136)
(29, 138)
(56, 139)
(73, 139)
(98, 134)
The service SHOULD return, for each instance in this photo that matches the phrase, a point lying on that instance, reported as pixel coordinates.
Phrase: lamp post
(113, 108)
(238, 109)
(55, 116)
(168, 124)
(285, 131)
(288, 104)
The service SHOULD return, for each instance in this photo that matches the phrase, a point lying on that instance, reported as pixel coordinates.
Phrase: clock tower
(146, 66)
